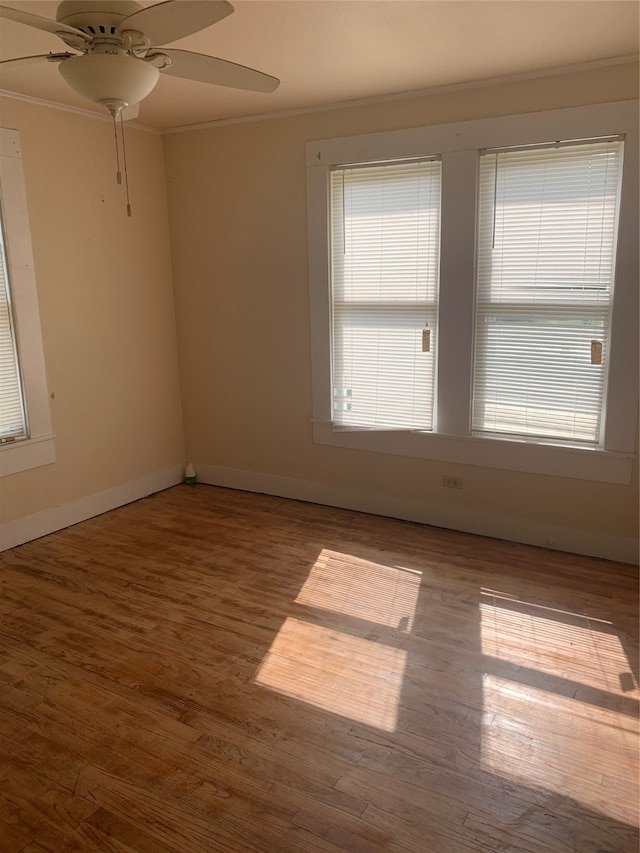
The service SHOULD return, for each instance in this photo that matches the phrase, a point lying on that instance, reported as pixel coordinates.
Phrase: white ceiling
(331, 51)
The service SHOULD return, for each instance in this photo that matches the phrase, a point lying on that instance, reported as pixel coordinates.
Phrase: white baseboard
(49, 520)
(589, 543)
(529, 532)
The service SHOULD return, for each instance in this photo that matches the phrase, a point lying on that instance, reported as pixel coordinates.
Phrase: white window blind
(385, 259)
(12, 417)
(546, 253)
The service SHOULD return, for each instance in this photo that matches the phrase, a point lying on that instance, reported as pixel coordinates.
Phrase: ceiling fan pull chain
(115, 136)
(124, 160)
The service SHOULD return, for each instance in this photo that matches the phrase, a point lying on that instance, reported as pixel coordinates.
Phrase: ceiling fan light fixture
(110, 79)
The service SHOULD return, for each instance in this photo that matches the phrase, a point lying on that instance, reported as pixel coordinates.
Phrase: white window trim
(459, 144)
(38, 449)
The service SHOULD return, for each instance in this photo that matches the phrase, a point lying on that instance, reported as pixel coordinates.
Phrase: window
(26, 439)
(13, 425)
(546, 251)
(478, 299)
(385, 253)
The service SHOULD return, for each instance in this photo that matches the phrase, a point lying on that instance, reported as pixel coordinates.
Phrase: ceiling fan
(119, 48)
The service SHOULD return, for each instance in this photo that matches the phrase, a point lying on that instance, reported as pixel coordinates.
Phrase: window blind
(385, 258)
(546, 253)
(12, 416)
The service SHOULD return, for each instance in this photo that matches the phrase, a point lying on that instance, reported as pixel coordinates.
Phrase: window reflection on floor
(386, 595)
(340, 667)
(570, 703)
(346, 675)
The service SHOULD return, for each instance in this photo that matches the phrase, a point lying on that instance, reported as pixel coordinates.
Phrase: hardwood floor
(210, 670)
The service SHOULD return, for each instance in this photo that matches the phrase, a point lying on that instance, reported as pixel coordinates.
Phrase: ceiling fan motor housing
(100, 18)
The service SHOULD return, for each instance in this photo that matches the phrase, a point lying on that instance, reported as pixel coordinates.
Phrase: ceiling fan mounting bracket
(158, 60)
(135, 42)
(58, 57)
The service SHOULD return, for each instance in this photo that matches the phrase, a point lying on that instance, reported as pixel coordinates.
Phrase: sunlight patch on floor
(565, 645)
(554, 743)
(352, 586)
(336, 672)
(564, 719)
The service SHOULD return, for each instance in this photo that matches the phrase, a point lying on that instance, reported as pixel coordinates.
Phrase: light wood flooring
(210, 670)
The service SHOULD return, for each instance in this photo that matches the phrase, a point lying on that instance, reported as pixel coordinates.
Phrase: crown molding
(339, 105)
(66, 108)
(414, 93)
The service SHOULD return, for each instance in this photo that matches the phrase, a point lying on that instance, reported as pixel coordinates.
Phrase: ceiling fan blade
(175, 19)
(40, 23)
(28, 60)
(220, 72)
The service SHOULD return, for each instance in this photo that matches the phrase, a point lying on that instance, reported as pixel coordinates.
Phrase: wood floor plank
(208, 670)
(111, 830)
(14, 838)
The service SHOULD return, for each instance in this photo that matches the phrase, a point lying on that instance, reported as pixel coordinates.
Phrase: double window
(468, 307)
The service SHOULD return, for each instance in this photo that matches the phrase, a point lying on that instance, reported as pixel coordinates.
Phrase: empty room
(319, 426)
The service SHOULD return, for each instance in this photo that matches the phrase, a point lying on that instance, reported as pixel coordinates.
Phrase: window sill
(23, 455)
(577, 463)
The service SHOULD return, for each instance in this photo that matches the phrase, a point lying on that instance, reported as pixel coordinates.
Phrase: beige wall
(105, 293)
(237, 203)
(238, 222)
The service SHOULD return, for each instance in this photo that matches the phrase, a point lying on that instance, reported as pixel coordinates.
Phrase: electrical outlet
(452, 482)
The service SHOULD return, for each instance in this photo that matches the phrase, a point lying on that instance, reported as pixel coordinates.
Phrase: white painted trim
(576, 463)
(624, 359)
(523, 530)
(585, 122)
(462, 140)
(30, 527)
(24, 297)
(30, 453)
(66, 108)
(576, 68)
(454, 362)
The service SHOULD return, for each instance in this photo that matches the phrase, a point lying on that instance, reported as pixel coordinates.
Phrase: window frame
(413, 303)
(459, 145)
(38, 448)
(503, 245)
